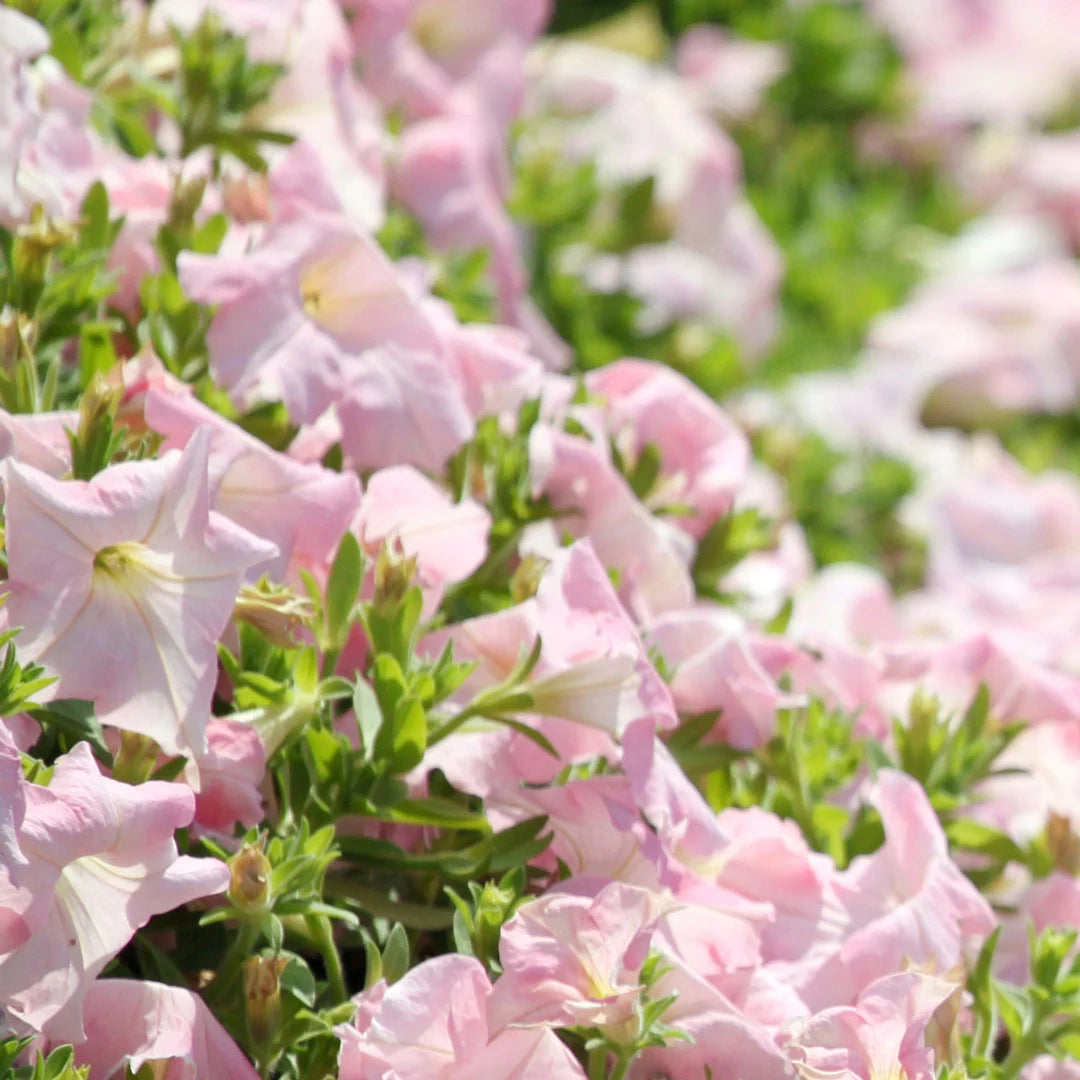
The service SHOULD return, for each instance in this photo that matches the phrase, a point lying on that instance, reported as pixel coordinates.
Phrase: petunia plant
(527, 547)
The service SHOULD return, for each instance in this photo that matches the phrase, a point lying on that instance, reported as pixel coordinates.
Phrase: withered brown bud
(262, 995)
(249, 870)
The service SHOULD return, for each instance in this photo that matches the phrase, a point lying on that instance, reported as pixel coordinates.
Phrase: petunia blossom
(907, 902)
(703, 453)
(230, 773)
(100, 860)
(432, 1025)
(162, 1024)
(447, 538)
(299, 308)
(884, 1034)
(593, 667)
(651, 556)
(302, 508)
(570, 959)
(122, 586)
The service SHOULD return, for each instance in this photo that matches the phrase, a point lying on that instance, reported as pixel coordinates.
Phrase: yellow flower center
(438, 30)
(321, 292)
(128, 566)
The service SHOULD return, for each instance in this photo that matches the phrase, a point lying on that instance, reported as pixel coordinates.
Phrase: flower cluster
(434, 646)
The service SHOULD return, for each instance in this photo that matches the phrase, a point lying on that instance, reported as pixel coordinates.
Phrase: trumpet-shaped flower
(704, 454)
(448, 539)
(431, 1025)
(98, 861)
(229, 776)
(571, 959)
(402, 405)
(122, 586)
(295, 314)
(302, 508)
(907, 902)
(651, 556)
(592, 667)
(884, 1036)
(162, 1024)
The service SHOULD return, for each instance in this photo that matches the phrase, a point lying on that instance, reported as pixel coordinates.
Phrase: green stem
(451, 725)
(228, 972)
(621, 1065)
(329, 662)
(598, 1063)
(323, 933)
(263, 1062)
(1028, 1047)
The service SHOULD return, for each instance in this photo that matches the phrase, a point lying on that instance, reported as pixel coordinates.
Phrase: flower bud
(262, 996)
(18, 332)
(138, 755)
(37, 240)
(275, 610)
(187, 196)
(394, 575)
(527, 578)
(496, 905)
(249, 885)
(1063, 844)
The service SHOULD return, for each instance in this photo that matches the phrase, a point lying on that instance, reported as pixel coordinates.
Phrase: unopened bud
(138, 755)
(247, 198)
(923, 713)
(99, 401)
(18, 332)
(275, 610)
(394, 575)
(1063, 843)
(262, 996)
(39, 237)
(249, 870)
(187, 197)
(527, 578)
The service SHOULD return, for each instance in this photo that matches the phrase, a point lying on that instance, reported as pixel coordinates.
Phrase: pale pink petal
(160, 1023)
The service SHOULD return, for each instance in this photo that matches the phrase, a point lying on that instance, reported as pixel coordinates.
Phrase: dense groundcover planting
(539, 540)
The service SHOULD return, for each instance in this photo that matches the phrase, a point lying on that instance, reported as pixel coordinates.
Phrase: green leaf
(373, 966)
(306, 671)
(368, 715)
(972, 835)
(297, 979)
(440, 813)
(342, 589)
(96, 352)
(94, 212)
(408, 738)
(378, 902)
(395, 955)
(646, 470)
(75, 721)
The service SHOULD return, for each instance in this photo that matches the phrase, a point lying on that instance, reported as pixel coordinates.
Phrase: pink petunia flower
(651, 556)
(230, 773)
(312, 294)
(570, 959)
(593, 667)
(302, 508)
(432, 1025)
(704, 455)
(98, 861)
(884, 1034)
(122, 586)
(161, 1024)
(447, 538)
(907, 902)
